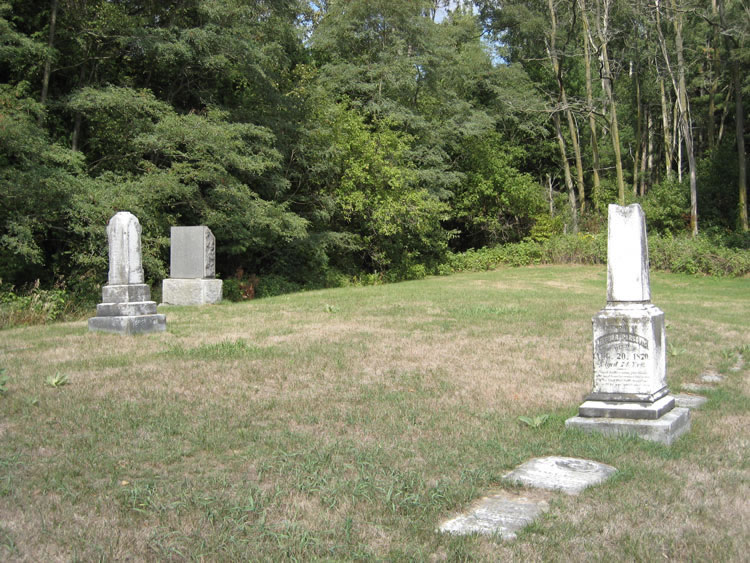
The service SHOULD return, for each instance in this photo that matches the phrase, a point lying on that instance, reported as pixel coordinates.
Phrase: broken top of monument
(627, 255)
(124, 236)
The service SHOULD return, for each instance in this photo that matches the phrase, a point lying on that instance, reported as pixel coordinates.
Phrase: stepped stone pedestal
(192, 268)
(630, 393)
(126, 306)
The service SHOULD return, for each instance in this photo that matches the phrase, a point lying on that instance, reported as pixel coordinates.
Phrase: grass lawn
(346, 424)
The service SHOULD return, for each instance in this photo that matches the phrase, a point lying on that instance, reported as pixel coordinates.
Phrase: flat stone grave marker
(697, 387)
(567, 474)
(711, 378)
(689, 401)
(501, 514)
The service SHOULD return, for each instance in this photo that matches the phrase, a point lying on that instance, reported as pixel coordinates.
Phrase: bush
(707, 254)
(272, 285)
(699, 255)
(36, 306)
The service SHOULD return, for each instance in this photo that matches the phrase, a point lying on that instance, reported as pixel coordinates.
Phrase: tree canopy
(341, 137)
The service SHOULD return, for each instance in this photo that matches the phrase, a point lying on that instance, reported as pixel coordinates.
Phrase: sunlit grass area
(346, 424)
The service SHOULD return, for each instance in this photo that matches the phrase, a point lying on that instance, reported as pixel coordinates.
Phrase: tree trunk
(557, 69)
(680, 87)
(596, 193)
(48, 61)
(741, 156)
(739, 124)
(602, 23)
(667, 127)
(685, 119)
(638, 131)
(566, 170)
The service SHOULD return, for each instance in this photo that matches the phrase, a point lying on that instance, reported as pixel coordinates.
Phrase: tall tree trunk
(739, 123)
(650, 163)
(48, 60)
(685, 120)
(596, 191)
(566, 170)
(724, 114)
(741, 156)
(667, 128)
(602, 24)
(557, 68)
(638, 132)
(714, 62)
(644, 153)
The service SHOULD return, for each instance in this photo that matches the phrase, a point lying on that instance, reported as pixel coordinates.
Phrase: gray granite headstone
(192, 268)
(568, 474)
(630, 393)
(126, 306)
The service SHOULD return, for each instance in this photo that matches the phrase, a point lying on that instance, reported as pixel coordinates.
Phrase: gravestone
(630, 393)
(567, 474)
(502, 514)
(126, 306)
(192, 268)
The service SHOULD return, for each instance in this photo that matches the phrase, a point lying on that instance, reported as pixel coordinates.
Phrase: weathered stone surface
(126, 309)
(128, 293)
(630, 362)
(627, 409)
(664, 430)
(697, 387)
(129, 324)
(689, 401)
(124, 236)
(627, 255)
(192, 252)
(502, 514)
(191, 291)
(711, 378)
(568, 474)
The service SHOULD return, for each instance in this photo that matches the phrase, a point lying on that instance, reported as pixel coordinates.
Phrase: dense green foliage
(339, 140)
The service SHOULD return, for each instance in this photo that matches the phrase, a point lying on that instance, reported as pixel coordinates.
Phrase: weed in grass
(534, 421)
(57, 380)
(3, 381)
(674, 351)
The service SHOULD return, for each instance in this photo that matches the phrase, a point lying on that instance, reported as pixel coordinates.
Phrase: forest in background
(330, 140)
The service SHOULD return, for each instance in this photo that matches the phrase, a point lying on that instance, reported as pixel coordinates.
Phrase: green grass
(346, 424)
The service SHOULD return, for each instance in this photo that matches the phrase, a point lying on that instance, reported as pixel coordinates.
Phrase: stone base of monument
(636, 410)
(191, 291)
(127, 309)
(665, 429)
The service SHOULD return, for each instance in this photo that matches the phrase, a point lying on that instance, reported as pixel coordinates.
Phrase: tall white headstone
(124, 236)
(126, 306)
(630, 393)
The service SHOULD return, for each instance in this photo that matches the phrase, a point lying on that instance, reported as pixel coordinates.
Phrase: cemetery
(436, 419)
(345, 280)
